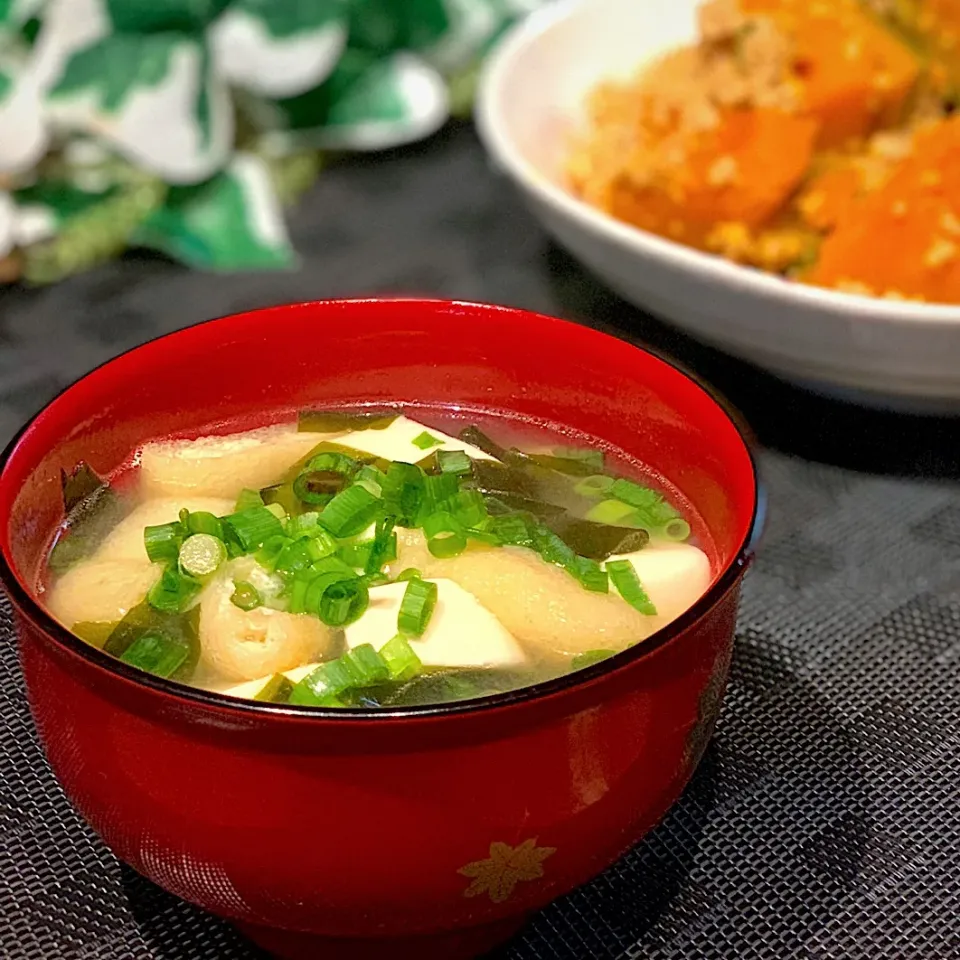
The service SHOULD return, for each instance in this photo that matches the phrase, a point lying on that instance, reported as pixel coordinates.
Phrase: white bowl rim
(749, 281)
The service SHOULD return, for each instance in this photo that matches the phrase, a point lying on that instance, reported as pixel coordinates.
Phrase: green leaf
(232, 222)
(290, 18)
(152, 16)
(7, 223)
(116, 66)
(383, 26)
(369, 103)
(15, 13)
(279, 48)
(23, 133)
(155, 97)
(62, 199)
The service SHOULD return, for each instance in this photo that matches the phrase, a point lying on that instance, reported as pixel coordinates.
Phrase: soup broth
(373, 559)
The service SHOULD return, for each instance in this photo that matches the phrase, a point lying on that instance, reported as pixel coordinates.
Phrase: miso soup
(357, 559)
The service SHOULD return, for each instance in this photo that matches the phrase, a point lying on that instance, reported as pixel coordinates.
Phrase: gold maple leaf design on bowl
(506, 866)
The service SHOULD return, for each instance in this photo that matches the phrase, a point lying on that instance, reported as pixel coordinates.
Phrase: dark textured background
(823, 822)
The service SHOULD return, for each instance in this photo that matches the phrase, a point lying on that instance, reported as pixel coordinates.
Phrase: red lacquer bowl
(425, 832)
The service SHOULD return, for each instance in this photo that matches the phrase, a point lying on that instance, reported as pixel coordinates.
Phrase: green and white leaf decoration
(155, 97)
(161, 16)
(15, 13)
(470, 27)
(7, 223)
(23, 135)
(279, 48)
(368, 103)
(232, 222)
(68, 26)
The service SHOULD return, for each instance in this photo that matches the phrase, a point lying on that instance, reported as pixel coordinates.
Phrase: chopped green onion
(298, 555)
(282, 494)
(588, 455)
(350, 512)
(403, 492)
(173, 591)
(201, 555)
(445, 535)
(367, 666)
(553, 549)
(438, 489)
(156, 653)
(298, 596)
(677, 530)
(245, 595)
(305, 525)
(369, 474)
(334, 462)
(248, 499)
(635, 494)
(253, 527)
(628, 585)
(416, 608)
(468, 508)
(384, 547)
(317, 488)
(204, 522)
(613, 512)
(425, 441)
(278, 510)
(276, 690)
(401, 659)
(343, 602)
(269, 553)
(513, 529)
(484, 536)
(411, 573)
(589, 658)
(454, 461)
(356, 555)
(328, 680)
(162, 542)
(594, 487)
(591, 575)
(558, 465)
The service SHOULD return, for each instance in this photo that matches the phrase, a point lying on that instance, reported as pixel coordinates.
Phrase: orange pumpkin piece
(854, 75)
(827, 199)
(743, 170)
(904, 239)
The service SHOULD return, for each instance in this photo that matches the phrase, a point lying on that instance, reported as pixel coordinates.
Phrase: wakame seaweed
(332, 421)
(92, 509)
(143, 619)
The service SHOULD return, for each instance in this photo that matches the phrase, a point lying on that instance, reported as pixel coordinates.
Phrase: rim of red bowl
(23, 597)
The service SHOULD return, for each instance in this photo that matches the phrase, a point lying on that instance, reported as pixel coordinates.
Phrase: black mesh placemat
(822, 823)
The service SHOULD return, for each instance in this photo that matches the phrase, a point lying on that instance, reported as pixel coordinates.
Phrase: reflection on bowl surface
(424, 832)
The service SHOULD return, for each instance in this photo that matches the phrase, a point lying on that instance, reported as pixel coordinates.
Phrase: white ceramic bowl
(532, 96)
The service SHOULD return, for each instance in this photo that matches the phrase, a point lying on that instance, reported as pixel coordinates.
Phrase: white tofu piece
(396, 442)
(675, 575)
(223, 466)
(461, 632)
